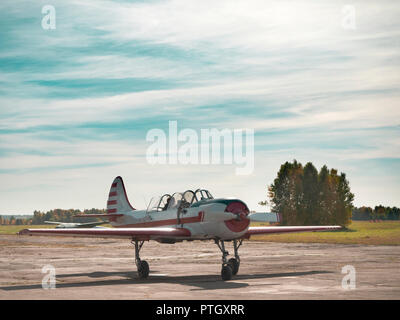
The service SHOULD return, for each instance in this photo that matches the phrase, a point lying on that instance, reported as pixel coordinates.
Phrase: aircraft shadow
(202, 282)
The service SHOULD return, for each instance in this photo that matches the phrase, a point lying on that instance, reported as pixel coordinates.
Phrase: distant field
(359, 232)
(14, 229)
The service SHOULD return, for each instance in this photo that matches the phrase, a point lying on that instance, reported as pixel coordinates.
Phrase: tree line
(302, 195)
(61, 215)
(305, 196)
(378, 213)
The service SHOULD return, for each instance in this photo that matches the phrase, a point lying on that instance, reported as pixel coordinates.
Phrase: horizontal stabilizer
(102, 215)
(52, 222)
(264, 217)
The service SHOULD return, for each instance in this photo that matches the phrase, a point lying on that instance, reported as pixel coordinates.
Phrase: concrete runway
(105, 269)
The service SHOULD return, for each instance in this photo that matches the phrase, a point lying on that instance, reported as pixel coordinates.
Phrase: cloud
(76, 102)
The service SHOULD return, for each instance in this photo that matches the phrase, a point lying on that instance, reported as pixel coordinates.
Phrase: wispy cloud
(76, 102)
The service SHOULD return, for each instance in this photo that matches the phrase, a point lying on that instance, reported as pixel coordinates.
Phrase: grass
(358, 232)
(5, 229)
(14, 229)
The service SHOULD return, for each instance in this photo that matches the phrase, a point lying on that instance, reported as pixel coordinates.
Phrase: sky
(317, 81)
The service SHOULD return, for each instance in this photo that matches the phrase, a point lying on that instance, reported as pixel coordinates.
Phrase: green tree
(323, 195)
(304, 196)
(344, 201)
(310, 212)
(286, 192)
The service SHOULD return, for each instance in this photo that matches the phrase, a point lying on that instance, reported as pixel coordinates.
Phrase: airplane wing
(265, 230)
(131, 233)
(90, 224)
(52, 222)
(109, 216)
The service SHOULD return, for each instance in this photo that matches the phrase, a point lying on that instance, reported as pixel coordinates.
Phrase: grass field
(15, 229)
(359, 232)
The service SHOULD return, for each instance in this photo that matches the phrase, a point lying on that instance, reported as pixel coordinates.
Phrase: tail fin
(117, 200)
(271, 217)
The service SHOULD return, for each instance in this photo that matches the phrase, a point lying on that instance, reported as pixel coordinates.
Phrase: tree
(362, 213)
(310, 212)
(344, 201)
(380, 212)
(286, 192)
(325, 198)
(304, 196)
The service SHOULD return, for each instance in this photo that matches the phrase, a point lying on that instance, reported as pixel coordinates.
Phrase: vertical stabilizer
(117, 199)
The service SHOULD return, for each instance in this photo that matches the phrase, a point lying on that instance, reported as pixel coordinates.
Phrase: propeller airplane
(191, 215)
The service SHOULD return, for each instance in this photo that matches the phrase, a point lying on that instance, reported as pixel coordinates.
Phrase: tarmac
(88, 268)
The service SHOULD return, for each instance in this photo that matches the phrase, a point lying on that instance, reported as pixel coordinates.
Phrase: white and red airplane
(174, 218)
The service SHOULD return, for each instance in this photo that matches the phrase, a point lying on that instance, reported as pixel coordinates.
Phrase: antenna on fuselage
(146, 204)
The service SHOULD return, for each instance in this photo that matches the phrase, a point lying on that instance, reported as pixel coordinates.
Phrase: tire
(234, 264)
(143, 269)
(226, 273)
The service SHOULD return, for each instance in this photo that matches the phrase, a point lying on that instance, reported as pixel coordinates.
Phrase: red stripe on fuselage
(112, 194)
(167, 222)
(111, 202)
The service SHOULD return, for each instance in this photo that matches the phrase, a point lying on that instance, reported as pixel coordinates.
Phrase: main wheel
(226, 273)
(143, 269)
(234, 264)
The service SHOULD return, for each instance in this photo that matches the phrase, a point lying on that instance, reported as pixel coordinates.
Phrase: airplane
(61, 225)
(191, 215)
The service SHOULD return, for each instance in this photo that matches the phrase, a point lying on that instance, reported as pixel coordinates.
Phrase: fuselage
(212, 218)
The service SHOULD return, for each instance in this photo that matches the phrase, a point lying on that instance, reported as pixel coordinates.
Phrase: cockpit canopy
(167, 201)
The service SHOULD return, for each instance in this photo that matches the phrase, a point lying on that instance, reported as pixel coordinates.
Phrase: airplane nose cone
(239, 208)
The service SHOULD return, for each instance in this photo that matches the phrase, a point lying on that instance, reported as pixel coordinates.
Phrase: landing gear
(226, 272)
(142, 265)
(229, 267)
(234, 264)
(143, 269)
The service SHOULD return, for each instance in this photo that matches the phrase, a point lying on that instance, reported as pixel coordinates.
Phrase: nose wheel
(142, 265)
(229, 267)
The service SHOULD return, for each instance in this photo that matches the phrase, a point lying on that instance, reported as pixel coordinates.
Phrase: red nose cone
(240, 208)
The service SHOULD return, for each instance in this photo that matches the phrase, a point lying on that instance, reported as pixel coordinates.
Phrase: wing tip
(23, 232)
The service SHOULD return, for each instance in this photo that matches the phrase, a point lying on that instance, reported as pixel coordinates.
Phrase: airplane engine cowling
(241, 224)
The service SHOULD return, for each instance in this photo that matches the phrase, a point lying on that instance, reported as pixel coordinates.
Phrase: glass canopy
(167, 202)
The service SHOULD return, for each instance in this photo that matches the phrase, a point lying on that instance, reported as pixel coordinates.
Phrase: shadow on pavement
(202, 282)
